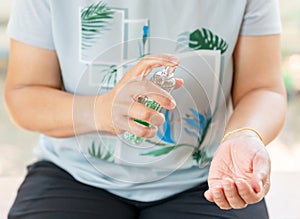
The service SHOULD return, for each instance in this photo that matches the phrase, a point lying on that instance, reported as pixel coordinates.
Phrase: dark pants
(48, 192)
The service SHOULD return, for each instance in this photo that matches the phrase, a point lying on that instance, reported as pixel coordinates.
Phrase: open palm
(239, 173)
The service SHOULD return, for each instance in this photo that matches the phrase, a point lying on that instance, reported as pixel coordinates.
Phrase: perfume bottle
(164, 79)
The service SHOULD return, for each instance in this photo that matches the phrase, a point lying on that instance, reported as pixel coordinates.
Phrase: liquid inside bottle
(164, 79)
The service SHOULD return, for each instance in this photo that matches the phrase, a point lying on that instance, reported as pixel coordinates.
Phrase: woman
(71, 78)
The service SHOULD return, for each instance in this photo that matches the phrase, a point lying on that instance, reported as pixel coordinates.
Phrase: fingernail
(173, 103)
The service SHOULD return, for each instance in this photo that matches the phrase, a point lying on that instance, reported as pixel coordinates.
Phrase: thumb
(261, 171)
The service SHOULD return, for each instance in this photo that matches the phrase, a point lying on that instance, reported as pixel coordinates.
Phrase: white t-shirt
(97, 41)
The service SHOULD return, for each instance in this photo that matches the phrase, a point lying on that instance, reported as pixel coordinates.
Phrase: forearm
(53, 112)
(262, 109)
(36, 102)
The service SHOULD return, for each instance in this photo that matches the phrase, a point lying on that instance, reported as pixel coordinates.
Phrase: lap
(49, 192)
(193, 205)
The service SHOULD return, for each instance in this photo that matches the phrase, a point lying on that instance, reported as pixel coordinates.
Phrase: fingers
(150, 90)
(146, 64)
(234, 194)
(179, 83)
(208, 196)
(138, 119)
(133, 126)
(165, 101)
(129, 89)
(247, 193)
(225, 194)
(144, 113)
(220, 199)
(261, 171)
(141, 130)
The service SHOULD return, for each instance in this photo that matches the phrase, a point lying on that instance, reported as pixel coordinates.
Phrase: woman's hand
(121, 101)
(240, 172)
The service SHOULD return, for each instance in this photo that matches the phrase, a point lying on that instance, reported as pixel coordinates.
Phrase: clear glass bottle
(164, 79)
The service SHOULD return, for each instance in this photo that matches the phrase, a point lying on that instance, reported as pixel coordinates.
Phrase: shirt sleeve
(261, 17)
(30, 23)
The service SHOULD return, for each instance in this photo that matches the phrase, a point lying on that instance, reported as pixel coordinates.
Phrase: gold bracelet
(239, 130)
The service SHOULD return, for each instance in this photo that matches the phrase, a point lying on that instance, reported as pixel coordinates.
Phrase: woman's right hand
(121, 106)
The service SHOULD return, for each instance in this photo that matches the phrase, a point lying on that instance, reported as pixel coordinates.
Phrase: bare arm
(36, 101)
(240, 171)
(33, 93)
(258, 93)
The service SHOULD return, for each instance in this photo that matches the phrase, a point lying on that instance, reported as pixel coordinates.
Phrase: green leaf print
(201, 39)
(110, 77)
(100, 152)
(200, 156)
(94, 20)
(205, 39)
(159, 152)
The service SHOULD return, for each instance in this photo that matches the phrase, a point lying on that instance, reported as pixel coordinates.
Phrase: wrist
(103, 113)
(244, 131)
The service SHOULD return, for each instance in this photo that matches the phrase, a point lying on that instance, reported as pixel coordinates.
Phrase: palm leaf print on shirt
(94, 20)
(100, 152)
(197, 125)
(166, 133)
(202, 39)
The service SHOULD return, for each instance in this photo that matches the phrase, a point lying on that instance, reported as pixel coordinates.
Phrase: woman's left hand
(240, 172)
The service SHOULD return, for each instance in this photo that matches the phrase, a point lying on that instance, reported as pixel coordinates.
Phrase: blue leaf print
(208, 113)
(193, 123)
(197, 115)
(167, 135)
(200, 117)
(196, 126)
(193, 133)
(197, 123)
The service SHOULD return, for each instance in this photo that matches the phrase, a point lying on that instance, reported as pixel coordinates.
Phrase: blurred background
(16, 145)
